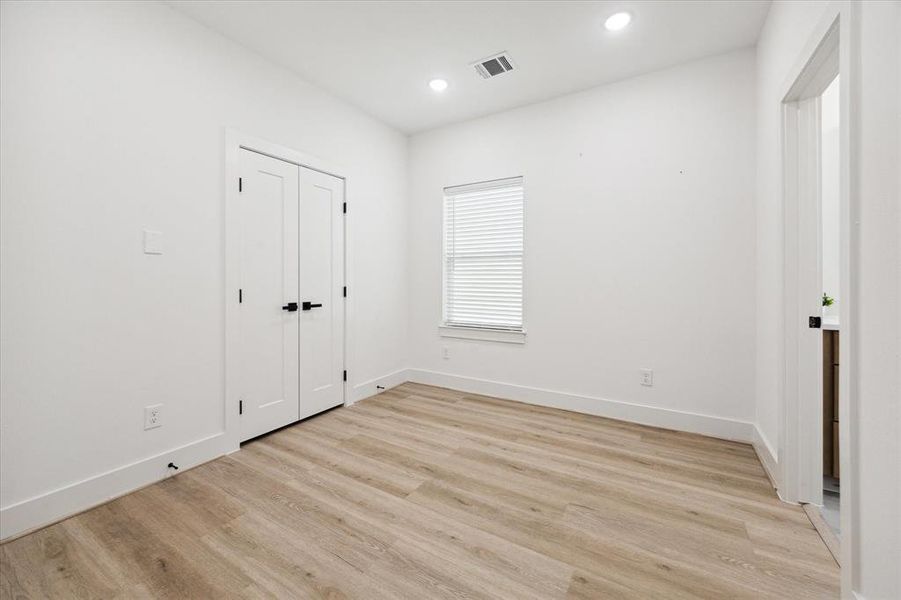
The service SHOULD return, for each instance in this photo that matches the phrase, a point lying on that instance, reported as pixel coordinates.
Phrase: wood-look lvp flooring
(424, 493)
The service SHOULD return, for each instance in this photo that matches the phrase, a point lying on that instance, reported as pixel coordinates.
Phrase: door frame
(235, 141)
(802, 418)
(830, 50)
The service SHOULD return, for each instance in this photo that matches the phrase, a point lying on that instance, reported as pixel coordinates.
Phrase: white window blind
(483, 255)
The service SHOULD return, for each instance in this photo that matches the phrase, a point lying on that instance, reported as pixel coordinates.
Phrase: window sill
(488, 335)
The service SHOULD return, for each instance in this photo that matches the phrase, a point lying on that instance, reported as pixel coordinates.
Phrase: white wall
(830, 197)
(113, 118)
(877, 398)
(639, 242)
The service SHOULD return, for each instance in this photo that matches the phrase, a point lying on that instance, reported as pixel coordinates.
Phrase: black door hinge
(345, 375)
(345, 208)
(814, 322)
(240, 184)
(345, 291)
(240, 407)
(240, 295)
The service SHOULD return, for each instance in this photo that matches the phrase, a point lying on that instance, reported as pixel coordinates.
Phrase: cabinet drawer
(835, 393)
(835, 345)
(835, 472)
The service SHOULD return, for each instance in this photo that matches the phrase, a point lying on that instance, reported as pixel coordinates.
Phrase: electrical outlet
(646, 377)
(445, 352)
(153, 416)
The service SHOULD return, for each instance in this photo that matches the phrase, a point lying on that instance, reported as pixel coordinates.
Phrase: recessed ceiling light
(438, 85)
(617, 21)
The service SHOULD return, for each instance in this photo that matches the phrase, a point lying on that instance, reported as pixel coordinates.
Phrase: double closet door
(291, 299)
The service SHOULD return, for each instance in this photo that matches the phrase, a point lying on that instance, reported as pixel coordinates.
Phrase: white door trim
(234, 142)
(831, 49)
(802, 418)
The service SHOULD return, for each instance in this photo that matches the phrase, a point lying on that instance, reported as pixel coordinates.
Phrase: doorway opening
(830, 252)
(813, 437)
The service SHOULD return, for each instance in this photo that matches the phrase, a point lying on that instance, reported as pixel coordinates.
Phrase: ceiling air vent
(493, 65)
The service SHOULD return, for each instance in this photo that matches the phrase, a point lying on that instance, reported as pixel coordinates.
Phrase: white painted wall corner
(368, 388)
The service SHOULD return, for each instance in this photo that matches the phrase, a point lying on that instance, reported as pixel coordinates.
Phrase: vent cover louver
(493, 65)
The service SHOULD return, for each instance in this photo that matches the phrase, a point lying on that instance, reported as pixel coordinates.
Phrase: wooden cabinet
(830, 402)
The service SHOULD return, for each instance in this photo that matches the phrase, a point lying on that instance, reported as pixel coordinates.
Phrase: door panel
(810, 290)
(321, 282)
(269, 335)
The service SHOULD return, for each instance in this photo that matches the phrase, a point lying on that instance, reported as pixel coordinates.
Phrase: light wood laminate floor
(424, 493)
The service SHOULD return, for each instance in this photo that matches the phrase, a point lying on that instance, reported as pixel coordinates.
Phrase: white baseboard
(72, 499)
(66, 501)
(767, 456)
(53, 506)
(719, 427)
(368, 388)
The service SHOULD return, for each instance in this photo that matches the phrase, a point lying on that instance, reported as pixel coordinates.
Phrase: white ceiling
(381, 55)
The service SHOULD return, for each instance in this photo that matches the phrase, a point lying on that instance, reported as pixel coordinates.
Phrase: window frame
(477, 332)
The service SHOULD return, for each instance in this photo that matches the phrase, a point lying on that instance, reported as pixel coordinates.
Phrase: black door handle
(309, 305)
(290, 307)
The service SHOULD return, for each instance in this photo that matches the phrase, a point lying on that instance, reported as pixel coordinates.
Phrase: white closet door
(321, 291)
(269, 330)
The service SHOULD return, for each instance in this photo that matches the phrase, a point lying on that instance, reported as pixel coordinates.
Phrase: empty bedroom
(450, 299)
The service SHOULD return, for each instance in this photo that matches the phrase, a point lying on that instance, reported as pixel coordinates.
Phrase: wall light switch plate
(646, 377)
(153, 242)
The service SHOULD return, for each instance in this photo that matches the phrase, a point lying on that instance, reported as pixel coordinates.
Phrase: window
(483, 259)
